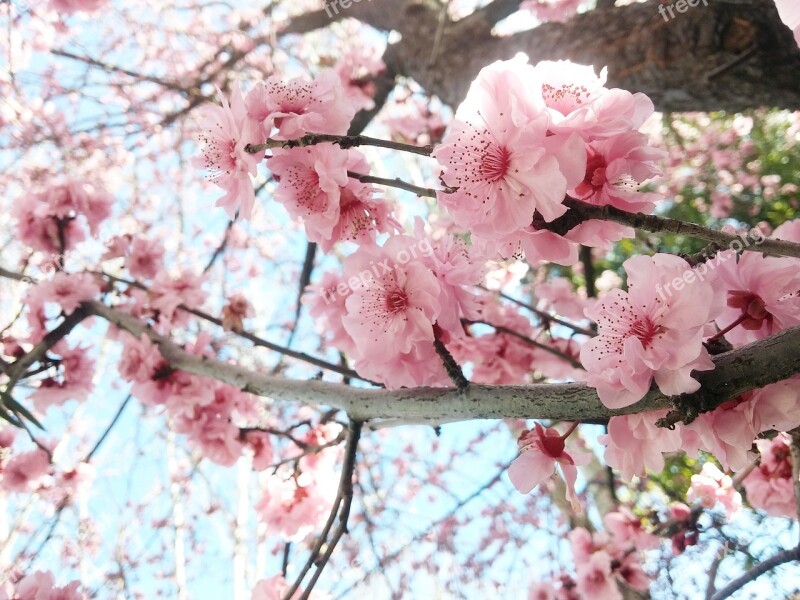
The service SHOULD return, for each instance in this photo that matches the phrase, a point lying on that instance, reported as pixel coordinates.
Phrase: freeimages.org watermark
(332, 8)
(376, 271)
(681, 6)
(699, 272)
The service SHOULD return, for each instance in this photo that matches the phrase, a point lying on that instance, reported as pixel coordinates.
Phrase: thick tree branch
(719, 56)
(758, 364)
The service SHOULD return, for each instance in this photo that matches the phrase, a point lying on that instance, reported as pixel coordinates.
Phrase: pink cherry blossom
(594, 578)
(167, 293)
(41, 586)
(419, 366)
(769, 486)
(66, 290)
(762, 295)
(652, 331)
(559, 295)
(727, 432)
(145, 259)
(615, 167)
(24, 472)
(711, 486)
(72, 382)
(326, 304)
(140, 359)
(626, 528)
(498, 357)
(71, 6)
(500, 158)
(541, 449)
(535, 244)
(394, 302)
(634, 444)
(225, 132)
(357, 68)
(55, 220)
(315, 188)
(235, 311)
(299, 106)
(577, 101)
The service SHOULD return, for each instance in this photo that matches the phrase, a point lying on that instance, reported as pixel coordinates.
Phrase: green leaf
(18, 409)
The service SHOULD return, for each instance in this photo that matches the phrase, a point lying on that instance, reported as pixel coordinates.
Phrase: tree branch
(757, 571)
(344, 498)
(755, 365)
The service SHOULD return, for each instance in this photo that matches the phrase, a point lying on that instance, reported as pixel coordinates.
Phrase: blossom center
(564, 98)
(646, 331)
(495, 162)
(396, 301)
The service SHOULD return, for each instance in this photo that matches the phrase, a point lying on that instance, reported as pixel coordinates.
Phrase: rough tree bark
(729, 55)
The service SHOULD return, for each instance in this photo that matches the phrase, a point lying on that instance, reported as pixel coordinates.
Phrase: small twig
(396, 183)
(221, 248)
(525, 339)
(450, 364)
(544, 316)
(757, 571)
(344, 499)
(108, 429)
(343, 141)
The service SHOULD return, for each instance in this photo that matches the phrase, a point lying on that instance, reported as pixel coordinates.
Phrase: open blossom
(225, 132)
(395, 301)
(498, 357)
(649, 332)
(711, 486)
(763, 295)
(326, 304)
(534, 244)
(615, 167)
(626, 528)
(578, 101)
(357, 69)
(315, 188)
(65, 289)
(769, 486)
(727, 433)
(299, 106)
(634, 443)
(541, 449)
(499, 156)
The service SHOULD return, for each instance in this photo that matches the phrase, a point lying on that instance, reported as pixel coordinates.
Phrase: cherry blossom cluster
(58, 218)
(203, 409)
(40, 585)
(525, 137)
(603, 561)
